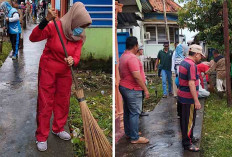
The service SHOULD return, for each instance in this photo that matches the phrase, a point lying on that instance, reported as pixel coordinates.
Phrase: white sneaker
(63, 135)
(42, 146)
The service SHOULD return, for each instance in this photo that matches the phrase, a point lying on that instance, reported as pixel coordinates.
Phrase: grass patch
(217, 132)
(154, 84)
(98, 102)
(6, 48)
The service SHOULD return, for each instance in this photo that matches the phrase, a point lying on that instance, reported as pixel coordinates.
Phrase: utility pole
(166, 22)
(227, 51)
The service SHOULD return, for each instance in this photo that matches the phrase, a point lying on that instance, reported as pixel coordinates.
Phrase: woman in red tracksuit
(54, 78)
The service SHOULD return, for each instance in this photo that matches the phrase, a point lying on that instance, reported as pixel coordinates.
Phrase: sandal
(165, 96)
(192, 148)
(128, 137)
(141, 140)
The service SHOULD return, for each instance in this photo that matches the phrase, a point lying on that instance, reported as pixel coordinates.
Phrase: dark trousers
(14, 39)
(44, 11)
(178, 108)
(187, 122)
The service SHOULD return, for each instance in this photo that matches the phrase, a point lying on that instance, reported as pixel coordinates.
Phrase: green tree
(205, 16)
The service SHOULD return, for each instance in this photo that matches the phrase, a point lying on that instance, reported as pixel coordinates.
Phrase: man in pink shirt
(132, 84)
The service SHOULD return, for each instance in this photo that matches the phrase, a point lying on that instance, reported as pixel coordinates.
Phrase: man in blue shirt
(34, 12)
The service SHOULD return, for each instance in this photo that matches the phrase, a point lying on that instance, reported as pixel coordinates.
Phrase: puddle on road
(158, 149)
(160, 145)
(170, 133)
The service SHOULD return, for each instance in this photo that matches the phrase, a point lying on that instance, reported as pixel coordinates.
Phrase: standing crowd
(185, 73)
(14, 20)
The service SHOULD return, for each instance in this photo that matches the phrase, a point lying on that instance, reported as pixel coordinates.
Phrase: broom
(96, 143)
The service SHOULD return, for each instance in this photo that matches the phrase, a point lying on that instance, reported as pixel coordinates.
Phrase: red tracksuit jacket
(53, 55)
(54, 79)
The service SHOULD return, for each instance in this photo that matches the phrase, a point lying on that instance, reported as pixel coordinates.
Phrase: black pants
(187, 122)
(44, 12)
(159, 72)
(14, 39)
(179, 108)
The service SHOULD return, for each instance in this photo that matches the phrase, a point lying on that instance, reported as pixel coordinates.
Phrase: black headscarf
(218, 58)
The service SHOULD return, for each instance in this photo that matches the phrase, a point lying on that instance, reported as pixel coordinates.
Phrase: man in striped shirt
(188, 95)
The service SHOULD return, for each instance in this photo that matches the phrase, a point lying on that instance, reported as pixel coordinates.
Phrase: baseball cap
(196, 48)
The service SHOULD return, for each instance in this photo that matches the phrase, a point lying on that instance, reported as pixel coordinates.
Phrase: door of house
(122, 42)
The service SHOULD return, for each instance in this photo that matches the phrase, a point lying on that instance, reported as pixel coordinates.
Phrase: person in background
(202, 68)
(174, 87)
(34, 11)
(22, 6)
(219, 65)
(174, 80)
(212, 78)
(44, 7)
(28, 11)
(20, 9)
(131, 85)
(14, 28)
(165, 58)
(140, 57)
(202, 92)
(188, 96)
(54, 77)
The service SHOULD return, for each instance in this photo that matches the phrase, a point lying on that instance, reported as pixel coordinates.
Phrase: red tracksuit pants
(54, 91)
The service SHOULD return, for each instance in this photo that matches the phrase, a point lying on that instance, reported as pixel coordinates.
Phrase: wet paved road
(18, 94)
(161, 127)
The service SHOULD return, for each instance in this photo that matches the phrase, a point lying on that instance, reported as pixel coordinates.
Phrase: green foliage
(205, 16)
(5, 52)
(101, 108)
(217, 132)
(154, 84)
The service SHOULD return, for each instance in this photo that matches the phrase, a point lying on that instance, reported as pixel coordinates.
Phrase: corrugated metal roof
(136, 3)
(171, 6)
(127, 19)
(146, 6)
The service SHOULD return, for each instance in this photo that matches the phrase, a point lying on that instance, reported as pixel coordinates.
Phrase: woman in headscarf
(181, 53)
(54, 78)
(14, 28)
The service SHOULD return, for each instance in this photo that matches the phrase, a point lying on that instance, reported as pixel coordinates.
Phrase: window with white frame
(158, 34)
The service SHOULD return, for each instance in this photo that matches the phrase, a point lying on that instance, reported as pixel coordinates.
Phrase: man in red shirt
(132, 84)
(188, 96)
(202, 68)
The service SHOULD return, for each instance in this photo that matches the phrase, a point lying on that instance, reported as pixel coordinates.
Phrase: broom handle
(66, 54)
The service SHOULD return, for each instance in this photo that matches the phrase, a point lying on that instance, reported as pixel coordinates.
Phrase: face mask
(78, 31)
